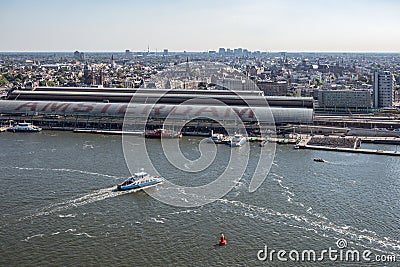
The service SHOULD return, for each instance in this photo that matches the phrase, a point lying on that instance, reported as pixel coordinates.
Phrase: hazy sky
(200, 25)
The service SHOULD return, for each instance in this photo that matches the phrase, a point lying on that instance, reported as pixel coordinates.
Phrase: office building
(384, 84)
(342, 100)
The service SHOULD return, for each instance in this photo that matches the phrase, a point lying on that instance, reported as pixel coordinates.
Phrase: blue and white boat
(140, 180)
(24, 127)
(238, 140)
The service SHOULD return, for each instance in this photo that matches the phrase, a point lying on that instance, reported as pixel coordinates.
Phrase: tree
(317, 81)
(3, 81)
(397, 78)
(51, 83)
(42, 83)
(61, 80)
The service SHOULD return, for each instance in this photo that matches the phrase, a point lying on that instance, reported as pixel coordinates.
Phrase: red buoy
(222, 240)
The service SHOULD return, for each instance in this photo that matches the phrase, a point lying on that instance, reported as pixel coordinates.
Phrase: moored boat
(140, 180)
(263, 143)
(24, 127)
(238, 140)
(218, 138)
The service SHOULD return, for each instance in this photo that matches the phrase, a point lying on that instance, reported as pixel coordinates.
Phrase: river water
(57, 206)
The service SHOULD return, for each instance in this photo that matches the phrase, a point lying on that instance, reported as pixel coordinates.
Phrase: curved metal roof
(161, 98)
(280, 115)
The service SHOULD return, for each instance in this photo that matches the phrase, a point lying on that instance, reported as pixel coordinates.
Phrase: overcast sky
(200, 25)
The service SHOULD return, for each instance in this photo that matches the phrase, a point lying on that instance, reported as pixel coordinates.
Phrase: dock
(353, 150)
(304, 144)
(381, 140)
(274, 140)
(109, 132)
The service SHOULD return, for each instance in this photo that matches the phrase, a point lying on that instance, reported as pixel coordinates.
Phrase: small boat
(218, 138)
(263, 143)
(24, 127)
(319, 160)
(140, 180)
(238, 140)
(162, 133)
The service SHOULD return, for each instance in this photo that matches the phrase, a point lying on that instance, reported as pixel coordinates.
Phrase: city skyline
(309, 26)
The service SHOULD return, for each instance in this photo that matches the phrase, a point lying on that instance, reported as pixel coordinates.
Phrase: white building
(384, 84)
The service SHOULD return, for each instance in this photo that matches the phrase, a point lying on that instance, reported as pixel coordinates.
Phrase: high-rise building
(112, 62)
(221, 51)
(79, 55)
(165, 52)
(384, 83)
(128, 53)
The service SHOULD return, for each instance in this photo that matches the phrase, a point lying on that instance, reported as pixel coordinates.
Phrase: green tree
(61, 80)
(397, 77)
(317, 81)
(42, 83)
(51, 83)
(3, 81)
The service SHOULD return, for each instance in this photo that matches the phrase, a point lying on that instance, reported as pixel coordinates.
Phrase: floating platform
(381, 140)
(352, 150)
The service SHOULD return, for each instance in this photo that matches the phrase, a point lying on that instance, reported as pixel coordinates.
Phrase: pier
(304, 143)
(381, 140)
(109, 132)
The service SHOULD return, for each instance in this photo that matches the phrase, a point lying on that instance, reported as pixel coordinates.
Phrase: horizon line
(203, 51)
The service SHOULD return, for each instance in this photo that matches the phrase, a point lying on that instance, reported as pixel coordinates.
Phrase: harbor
(115, 126)
(311, 199)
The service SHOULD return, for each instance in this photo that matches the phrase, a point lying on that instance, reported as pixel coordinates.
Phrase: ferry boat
(238, 140)
(24, 127)
(162, 133)
(139, 181)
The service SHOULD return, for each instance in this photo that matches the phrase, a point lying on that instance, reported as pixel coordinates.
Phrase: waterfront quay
(347, 144)
(115, 125)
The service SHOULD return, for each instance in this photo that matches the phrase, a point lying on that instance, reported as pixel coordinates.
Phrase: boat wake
(70, 231)
(364, 238)
(89, 198)
(66, 170)
(290, 197)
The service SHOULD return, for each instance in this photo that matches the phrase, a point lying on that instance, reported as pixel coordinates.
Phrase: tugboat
(238, 140)
(140, 180)
(319, 160)
(162, 133)
(24, 127)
